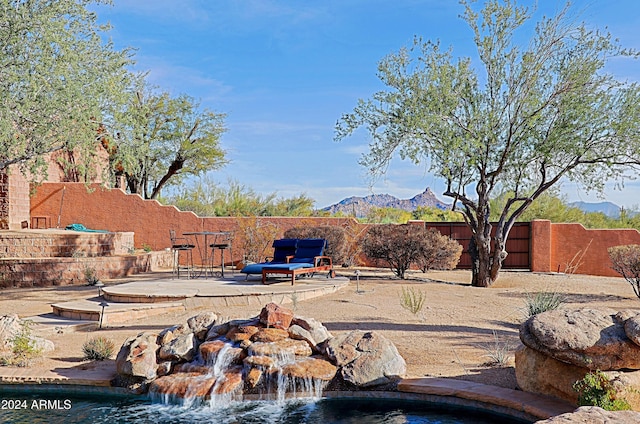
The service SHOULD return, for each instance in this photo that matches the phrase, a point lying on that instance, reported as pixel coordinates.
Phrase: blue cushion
(257, 268)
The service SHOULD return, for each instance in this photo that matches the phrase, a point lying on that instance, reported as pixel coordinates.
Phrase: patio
(140, 297)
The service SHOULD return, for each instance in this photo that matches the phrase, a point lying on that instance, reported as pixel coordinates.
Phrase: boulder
(167, 335)
(632, 329)
(137, 357)
(200, 324)
(587, 338)
(314, 368)
(12, 326)
(268, 335)
(274, 315)
(538, 373)
(309, 330)
(594, 415)
(282, 349)
(366, 358)
(182, 348)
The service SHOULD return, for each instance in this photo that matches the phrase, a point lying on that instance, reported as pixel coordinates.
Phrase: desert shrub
(626, 261)
(438, 252)
(24, 348)
(98, 349)
(498, 351)
(256, 237)
(412, 300)
(400, 246)
(397, 245)
(334, 235)
(595, 389)
(542, 302)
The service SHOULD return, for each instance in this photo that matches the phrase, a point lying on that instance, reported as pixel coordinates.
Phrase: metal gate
(517, 245)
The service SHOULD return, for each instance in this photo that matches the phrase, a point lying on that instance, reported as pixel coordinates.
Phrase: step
(114, 313)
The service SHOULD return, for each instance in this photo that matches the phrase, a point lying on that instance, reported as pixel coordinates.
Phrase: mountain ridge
(360, 206)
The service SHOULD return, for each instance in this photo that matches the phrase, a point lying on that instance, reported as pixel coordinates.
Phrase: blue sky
(284, 71)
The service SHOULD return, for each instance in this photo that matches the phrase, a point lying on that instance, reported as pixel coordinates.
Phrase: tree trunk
(480, 252)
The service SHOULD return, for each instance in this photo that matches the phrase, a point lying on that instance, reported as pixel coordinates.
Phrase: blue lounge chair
(308, 259)
(283, 250)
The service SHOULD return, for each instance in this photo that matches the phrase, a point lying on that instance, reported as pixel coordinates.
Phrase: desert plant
(90, 276)
(542, 302)
(98, 349)
(24, 348)
(498, 351)
(595, 389)
(256, 236)
(400, 246)
(438, 251)
(626, 261)
(412, 300)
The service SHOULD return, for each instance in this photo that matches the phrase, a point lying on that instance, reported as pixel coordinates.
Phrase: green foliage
(433, 214)
(400, 246)
(531, 114)
(146, 247)
(412, 300)
(205, 198)
(388, 216)
(595, 389)
(626, 261)
(98, 349)
(59, 80)
(542, 302)
(90, 276)
(498, 351)
(24, 348)
(335, 237)
(161, 139)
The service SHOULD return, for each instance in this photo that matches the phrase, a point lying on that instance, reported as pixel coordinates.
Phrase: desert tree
(528, 117)
(159, 139)
(57, 78)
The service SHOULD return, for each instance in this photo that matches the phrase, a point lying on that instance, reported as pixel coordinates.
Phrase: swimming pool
(59, 406)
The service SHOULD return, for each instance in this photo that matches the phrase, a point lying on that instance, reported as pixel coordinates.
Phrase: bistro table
(220, 238)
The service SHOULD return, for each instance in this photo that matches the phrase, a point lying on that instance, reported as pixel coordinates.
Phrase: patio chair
(223, 244)
(283, 250)
(181, 244)
(308, 259)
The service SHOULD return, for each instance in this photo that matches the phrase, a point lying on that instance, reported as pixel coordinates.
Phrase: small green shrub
(542, 302)
(412, 300)
(498, 352)
(24, 347)
(98, 349)
(595, 389)
(90, 276)
(146, 247)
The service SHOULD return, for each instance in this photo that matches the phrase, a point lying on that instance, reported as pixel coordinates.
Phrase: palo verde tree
(529, 116)
(57, 77)
(160, 139)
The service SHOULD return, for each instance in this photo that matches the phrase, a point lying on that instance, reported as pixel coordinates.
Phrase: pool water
(53, 409)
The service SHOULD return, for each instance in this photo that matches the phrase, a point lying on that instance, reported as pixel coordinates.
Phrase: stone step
(114, 313)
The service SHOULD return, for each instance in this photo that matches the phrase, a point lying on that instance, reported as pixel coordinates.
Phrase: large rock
(137, 357)
(588, 338)
(314, 368)
(366, 358)
(274, 315)
(309, 330)
(201, 323)
(182, 348)
(594, 415)
(11, 326)
(539, 373)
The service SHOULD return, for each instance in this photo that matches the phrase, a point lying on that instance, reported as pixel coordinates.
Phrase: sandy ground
(454, 335)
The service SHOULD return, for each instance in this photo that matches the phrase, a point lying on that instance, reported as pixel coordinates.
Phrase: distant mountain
(360, 206)
(610, 209)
